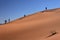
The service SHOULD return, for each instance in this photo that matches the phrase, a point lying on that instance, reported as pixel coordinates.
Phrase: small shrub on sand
(52, 33)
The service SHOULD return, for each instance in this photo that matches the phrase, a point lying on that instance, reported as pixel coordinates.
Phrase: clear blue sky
(16, 8)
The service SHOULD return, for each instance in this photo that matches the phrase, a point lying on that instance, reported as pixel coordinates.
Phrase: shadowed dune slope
(33, 27)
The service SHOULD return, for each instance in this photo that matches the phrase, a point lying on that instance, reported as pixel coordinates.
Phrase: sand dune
(33, 27)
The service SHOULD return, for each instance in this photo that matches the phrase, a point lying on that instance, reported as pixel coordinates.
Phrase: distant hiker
(24, 15)
(9, 20)
(5, 21)
(45, 8)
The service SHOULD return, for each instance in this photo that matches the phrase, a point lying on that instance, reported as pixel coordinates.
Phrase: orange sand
(33, 27)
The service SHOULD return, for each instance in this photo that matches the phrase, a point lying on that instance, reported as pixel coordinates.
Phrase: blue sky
(16, 8)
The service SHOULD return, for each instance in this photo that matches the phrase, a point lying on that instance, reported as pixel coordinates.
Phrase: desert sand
(38, 26)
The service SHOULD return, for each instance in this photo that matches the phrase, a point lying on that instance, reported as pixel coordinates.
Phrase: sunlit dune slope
(37, 26)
